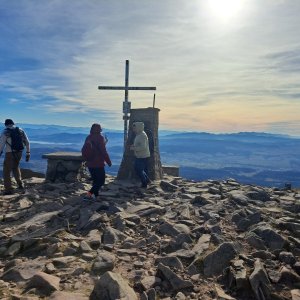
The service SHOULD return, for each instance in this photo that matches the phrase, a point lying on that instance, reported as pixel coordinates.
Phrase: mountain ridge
(198, 155)
(86, 129)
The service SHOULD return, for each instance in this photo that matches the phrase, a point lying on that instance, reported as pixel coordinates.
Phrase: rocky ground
(178, 239)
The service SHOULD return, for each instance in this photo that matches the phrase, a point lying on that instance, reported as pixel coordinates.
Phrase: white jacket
(141, 143)
(5, 140)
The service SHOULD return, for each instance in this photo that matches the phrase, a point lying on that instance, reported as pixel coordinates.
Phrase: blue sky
(218, 65)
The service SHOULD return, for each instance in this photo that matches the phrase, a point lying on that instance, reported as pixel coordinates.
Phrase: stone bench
(171, 170)
(64, 166)
(68, 167)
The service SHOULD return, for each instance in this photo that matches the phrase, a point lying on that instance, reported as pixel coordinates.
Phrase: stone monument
(149, 116)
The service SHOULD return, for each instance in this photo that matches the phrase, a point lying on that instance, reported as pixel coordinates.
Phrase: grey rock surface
(215, 262)
(177, 239)
(112, 286)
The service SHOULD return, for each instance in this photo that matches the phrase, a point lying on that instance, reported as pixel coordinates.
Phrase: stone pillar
(149, 116)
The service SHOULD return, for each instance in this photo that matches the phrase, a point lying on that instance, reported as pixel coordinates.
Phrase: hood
(96, 129)
(9, 122)
(139, 126)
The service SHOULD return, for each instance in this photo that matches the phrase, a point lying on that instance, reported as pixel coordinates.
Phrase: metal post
(126, 103)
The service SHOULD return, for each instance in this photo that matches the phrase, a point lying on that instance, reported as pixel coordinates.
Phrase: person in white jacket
(141, 152)
(13, 156)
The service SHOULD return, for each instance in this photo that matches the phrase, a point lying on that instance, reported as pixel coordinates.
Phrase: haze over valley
(252, 158)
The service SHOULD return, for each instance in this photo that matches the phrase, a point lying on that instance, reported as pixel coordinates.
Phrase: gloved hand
(27, 156)
(109, 164)
(105, 139)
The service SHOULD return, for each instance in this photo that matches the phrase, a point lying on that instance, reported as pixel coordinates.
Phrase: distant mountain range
(249, 157)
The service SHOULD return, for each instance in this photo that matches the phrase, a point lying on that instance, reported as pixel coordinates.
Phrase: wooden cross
(126, 103)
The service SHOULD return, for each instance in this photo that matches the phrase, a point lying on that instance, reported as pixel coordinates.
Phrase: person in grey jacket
(12, 157)
(141, 152)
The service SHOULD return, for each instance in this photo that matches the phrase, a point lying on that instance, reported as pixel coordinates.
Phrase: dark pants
(141, 169)
(98, 177)
(11, 164)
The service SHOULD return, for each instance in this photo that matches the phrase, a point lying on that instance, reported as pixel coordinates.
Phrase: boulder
(22, 271)
(245, 218)
(112, 286)
(175, 282)
(260, 283)
(215, 262)
(272, 239)
(258, 194)
(170, 261)
(104, 262)
(44, 283)
(112, 236)
(295, 294)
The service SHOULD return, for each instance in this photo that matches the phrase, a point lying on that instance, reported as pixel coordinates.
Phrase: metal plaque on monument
(149, 116)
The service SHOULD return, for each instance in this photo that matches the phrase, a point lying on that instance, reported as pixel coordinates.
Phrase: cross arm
(150, 88)
(126, 88)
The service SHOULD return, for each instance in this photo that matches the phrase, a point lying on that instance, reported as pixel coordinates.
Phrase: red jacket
(102, 156)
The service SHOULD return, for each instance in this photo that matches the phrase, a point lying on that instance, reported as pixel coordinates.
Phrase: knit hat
(9, 122)
(96, 128)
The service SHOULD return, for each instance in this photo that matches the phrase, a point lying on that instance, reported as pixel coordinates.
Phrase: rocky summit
(178, 239)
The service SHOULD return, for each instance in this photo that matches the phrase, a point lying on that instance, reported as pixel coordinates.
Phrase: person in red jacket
(97, 162)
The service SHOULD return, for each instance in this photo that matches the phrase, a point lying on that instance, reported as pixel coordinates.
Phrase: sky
(218, 65)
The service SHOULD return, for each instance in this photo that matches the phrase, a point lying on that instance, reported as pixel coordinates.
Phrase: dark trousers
(141, 169)
(98, 177)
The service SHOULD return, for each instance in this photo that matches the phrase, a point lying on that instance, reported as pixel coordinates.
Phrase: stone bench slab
(63, 156)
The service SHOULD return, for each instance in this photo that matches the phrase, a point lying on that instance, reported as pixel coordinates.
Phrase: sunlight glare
(225, 9)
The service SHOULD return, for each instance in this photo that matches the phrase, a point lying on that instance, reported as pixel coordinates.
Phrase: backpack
(87, 150)
(16, 139)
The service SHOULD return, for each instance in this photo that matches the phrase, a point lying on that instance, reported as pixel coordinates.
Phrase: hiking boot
(89, 196)
(5, 193)
(21, 188)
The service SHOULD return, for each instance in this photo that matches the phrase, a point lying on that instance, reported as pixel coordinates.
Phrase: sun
(225, 9)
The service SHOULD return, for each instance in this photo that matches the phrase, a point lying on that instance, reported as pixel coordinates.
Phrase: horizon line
(173, 130)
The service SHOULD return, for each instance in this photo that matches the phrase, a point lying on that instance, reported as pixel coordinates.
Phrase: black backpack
(16, 139)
